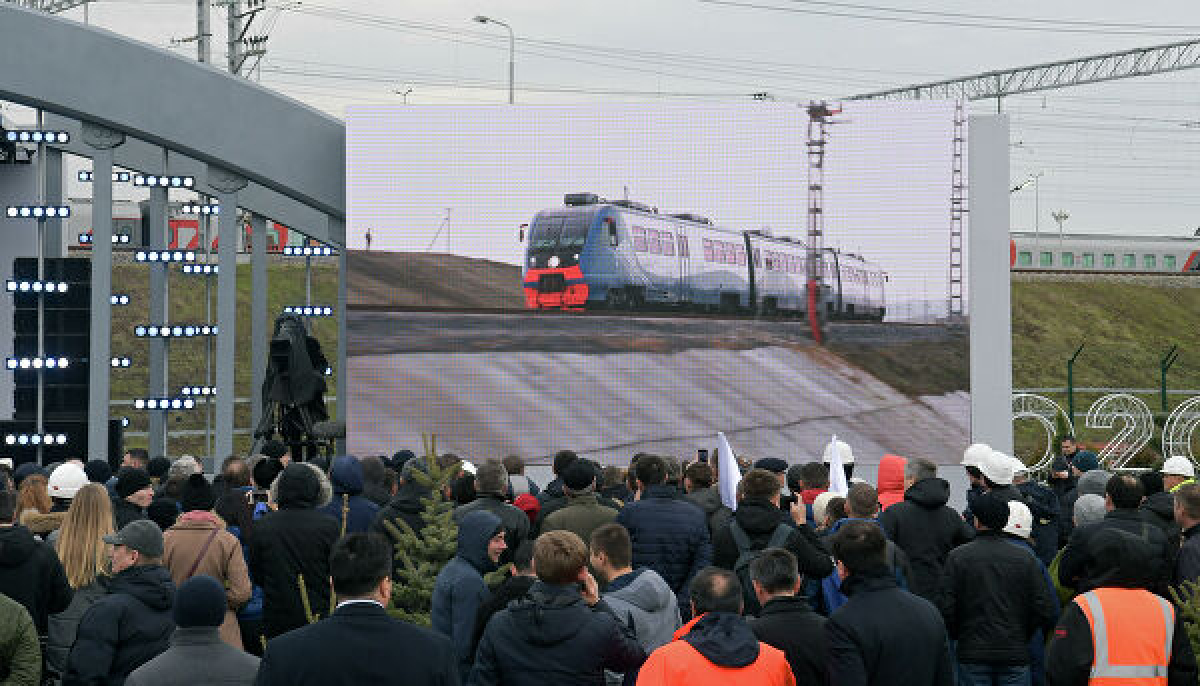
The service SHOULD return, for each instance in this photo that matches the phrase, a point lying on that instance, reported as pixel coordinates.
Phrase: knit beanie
(130, 480)
(98, 471)
(199, 602)
(197, 494)
(158, 467)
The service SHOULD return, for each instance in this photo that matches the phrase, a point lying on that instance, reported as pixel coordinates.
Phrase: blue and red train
(623, 255)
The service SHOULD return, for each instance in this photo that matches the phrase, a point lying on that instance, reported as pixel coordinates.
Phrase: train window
(639, 239)
(683, 246)
(545, 233)
(1129, 261)
(1110, 260)
(741, 255)
(1169, 262)
(1046, 259)
(1089, 260)
(1149, 262)
(574, 233)
(1067, 259)
(668, 243)
(1025, 259)
(709, 255)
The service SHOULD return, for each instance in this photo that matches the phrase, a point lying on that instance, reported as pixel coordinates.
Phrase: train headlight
(575, 257)
(552, 262)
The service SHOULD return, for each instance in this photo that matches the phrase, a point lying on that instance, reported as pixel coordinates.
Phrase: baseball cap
(141, 535)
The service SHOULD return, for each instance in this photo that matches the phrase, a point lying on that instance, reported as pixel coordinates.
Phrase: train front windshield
(550, 233)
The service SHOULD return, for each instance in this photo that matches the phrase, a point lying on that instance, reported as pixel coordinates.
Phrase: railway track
(634, 314)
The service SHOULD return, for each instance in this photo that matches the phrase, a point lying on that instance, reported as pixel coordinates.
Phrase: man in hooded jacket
(557, 634)
(406, 505)
(132, 623)
(924, 527)
(717, 648)
(291, 542)
(459, 589)
(348, 501)
(491, 484)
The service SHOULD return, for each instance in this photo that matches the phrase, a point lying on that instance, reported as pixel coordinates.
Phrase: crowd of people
(281, 572)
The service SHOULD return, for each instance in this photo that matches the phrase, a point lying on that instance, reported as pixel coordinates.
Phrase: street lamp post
(512, 47)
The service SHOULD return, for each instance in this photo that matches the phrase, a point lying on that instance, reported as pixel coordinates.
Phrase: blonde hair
(83, 553)
(33, 495)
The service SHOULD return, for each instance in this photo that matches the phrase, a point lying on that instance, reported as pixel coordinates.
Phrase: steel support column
(336, 228)
(103, 140)
(227, 185)
(258, 316)
(52, 240)
(156, 437)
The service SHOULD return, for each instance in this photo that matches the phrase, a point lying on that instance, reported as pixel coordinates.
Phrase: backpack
(747, 554)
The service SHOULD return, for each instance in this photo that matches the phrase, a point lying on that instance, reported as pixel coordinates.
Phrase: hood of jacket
(151, 584)
(643, 588)
(347, 476)
(930, 494)
(723, 638)
(17, 544)
(1119, 559)
(891, 474)
(299, 488)
(1161, 505)
(757, 515)
(550, 614)
(474, 532)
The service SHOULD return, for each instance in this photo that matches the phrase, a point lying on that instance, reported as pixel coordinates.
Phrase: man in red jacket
(717, 647)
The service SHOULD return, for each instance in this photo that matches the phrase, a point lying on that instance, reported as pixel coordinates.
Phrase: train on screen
(1031, 251)
(617, 254)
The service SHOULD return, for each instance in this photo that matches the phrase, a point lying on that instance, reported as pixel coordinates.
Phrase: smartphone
(702, 455)
(258, 496)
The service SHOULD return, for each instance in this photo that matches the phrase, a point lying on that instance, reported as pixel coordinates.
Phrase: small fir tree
(419, 558)
(1187, 602)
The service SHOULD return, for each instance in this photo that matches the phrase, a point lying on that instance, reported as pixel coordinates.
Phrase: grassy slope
(187, 357)
(1127, 328)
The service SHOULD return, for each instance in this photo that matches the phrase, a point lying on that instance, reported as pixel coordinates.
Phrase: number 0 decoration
(1044, 410)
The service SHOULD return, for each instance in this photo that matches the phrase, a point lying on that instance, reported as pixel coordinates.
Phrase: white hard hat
(1179, 466)
(843, 449)
(1019, 467)
(975, 454)
(1020, 519)
(998, 468)
(66, 480)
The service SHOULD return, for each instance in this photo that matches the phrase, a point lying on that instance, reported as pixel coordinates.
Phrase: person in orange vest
(1116, 633)
(716, 648)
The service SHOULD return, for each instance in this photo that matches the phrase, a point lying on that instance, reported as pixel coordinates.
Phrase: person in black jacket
(554, 489)
(491, 484)
(30, 572)
(134, 494)
(557, 634)
(994, 597)
(924, 527)
(786, 621)
(882, 635)
(132, 623)
(406, 505)
(291, 542)
(758, 515)
(359, 643)
(669, 535)
(700, 490)
(1187, 514)
(552, 504)
(1080, 567)
(1070, 655)
(514, 587)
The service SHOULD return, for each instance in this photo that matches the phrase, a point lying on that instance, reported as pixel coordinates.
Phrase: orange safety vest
(1132, 632)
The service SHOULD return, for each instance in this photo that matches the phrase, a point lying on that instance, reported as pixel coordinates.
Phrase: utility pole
(239, 46)
(203, 31)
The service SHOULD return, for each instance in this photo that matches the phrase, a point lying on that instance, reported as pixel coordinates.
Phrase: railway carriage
(593, 253)
(1032, 251)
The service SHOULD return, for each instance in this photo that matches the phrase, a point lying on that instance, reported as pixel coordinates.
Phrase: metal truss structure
(1158, 59)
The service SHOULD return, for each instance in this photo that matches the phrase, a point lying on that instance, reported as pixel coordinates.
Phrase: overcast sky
(1118, 157)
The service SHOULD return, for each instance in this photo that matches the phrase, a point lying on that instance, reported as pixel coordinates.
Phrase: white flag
(837, 473)
(728, 475)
